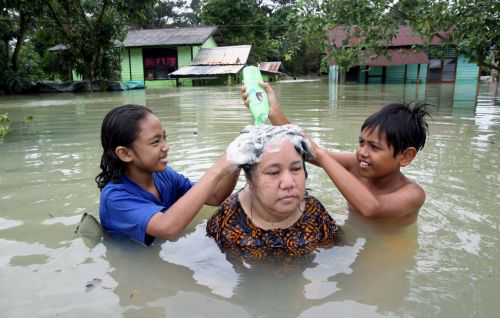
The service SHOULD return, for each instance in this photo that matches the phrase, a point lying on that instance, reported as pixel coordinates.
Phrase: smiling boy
(370, 179)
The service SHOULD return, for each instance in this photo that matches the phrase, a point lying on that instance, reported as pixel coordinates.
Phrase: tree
(93, 31)
(16, 19)
(473, 26)
(240, 22)
(18, 63)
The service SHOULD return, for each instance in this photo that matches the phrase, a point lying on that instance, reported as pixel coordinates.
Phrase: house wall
(160, 83)
(209, 43)
(375, 70)
(133, 71)
(395, 74)
(76, 77)
(423, 73)
(411, 73)
(362, 74)
(184, 59)
(466, 71)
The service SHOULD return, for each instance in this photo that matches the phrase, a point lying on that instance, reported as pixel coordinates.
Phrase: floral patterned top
(235, 233)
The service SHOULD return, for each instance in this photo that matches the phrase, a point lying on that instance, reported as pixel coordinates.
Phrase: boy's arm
(278, 118)
(403, 202)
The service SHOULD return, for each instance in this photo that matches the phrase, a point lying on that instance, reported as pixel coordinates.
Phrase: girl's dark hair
(404, 126)
(302, 151)
(120, 127)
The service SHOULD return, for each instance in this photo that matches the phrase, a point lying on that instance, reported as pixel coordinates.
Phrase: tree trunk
(23, 26)
(494, 71)
(7, 55)
(87, 75)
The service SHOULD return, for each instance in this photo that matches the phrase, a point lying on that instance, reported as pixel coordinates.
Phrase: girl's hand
(222, 167)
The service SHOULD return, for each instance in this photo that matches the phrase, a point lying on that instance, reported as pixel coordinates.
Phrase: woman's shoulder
(225, 216)
(313, 205)
(229, 206)
(315, 213)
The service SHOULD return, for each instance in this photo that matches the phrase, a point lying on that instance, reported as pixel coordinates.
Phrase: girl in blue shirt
(141, 197)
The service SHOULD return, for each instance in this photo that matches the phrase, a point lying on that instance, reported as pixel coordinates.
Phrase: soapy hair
(246, 150)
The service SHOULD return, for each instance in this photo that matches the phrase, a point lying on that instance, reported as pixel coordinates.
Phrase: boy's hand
(271, 97)
(314, 149)
(244, 96)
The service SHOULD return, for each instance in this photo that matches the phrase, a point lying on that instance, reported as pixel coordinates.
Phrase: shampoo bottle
(258, 104)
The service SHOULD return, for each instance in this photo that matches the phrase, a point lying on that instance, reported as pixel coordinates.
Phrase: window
(158, 63)
(442, 64)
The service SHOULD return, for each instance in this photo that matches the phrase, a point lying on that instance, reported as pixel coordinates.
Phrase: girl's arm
(169, 224)
(223, 189)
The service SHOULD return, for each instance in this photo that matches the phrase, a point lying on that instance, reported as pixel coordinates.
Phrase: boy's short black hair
(404, 126)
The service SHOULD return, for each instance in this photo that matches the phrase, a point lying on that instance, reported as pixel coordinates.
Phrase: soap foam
(251, 143)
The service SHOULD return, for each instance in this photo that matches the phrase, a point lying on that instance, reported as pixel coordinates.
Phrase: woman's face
(278, 183)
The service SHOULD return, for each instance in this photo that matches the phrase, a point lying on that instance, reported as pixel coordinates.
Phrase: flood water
(446, 265)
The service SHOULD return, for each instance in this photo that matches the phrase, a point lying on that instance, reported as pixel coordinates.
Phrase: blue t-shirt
(125, 208)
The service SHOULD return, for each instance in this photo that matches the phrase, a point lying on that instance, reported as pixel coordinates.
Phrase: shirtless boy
(370, 179)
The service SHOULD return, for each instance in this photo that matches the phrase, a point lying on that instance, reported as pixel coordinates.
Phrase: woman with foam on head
(273, 215)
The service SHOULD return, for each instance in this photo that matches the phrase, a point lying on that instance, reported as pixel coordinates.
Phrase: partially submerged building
(409, 62)
(271, 71)
(215, 66)
(152, 55)
(182, 56)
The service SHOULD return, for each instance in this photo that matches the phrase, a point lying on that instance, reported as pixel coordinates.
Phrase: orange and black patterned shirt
(235, 233)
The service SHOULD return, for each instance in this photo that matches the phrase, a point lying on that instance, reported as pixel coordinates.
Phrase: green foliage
(240, 22)
(474, 26)
(4, 125)
(92, 30)
(169, 13)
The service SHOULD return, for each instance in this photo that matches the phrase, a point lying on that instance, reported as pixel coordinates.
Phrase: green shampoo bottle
(258, 104)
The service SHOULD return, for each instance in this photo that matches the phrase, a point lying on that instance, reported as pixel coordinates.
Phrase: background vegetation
(291, 31)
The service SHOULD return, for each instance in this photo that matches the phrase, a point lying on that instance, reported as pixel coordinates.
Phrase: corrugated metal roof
(221, 60)
(237, 54)
(171, 36)
(270, 67)
(403, 38)
(206, 70)
(398, 57)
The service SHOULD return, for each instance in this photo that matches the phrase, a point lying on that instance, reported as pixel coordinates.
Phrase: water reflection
(447, 264)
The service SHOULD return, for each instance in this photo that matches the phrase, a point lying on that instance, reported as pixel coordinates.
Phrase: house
(409, 62)
(270, 71)
(152, 55)
(215, 66)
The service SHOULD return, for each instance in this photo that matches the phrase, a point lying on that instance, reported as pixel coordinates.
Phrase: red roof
(403, 38)
(270, 67)
(398, 57)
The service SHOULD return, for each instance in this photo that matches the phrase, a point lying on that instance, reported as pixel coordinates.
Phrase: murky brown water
(447, 264)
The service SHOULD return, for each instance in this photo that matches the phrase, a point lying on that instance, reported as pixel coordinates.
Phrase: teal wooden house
(406, 65)
(152, 55)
